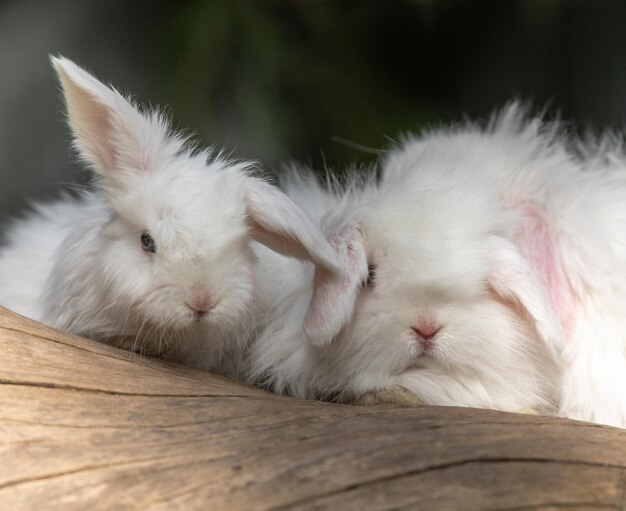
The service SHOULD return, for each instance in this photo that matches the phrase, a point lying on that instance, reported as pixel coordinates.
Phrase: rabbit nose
(425, 333)
(200, 313)
(200, 304)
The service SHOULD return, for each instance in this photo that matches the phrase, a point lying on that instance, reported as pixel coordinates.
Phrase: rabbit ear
(111, 135)
(278, 223)
(513, 279)
(334, 296)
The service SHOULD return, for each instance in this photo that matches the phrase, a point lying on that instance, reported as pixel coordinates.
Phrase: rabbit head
(434, 279)
(174, 247)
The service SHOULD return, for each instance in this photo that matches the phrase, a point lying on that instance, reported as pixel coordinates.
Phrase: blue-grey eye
(147, 242)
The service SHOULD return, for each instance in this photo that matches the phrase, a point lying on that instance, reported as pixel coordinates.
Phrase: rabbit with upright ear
(158, 255)
(443, 293)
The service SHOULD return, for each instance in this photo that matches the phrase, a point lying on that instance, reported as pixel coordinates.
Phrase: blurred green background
(324, 82)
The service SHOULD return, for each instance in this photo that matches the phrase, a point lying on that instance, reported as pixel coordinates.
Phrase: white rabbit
(476, 241)
(453, 286)
(158, 255)
(571, 201)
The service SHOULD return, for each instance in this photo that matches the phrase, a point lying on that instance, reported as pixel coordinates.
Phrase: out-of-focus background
(317, 81)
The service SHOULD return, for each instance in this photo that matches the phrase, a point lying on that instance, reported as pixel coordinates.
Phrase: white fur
(78, 264)
(511, 237)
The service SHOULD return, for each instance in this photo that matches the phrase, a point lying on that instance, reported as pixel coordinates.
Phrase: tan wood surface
(86, 426)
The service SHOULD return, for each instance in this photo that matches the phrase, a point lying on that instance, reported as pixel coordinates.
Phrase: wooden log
(87, 426)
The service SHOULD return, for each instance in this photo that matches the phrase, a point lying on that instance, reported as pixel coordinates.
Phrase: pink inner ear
(334, 296)
(536, 244)
(281, 243)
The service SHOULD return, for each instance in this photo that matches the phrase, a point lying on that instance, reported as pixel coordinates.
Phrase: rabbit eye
(371, 275)
(147, 242)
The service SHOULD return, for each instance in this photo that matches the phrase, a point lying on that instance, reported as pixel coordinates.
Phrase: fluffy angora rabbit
(563, 205)
(157, 256)
(486, 268)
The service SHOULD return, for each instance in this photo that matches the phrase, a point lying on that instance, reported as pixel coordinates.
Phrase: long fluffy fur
(444, 198)
(78, 264)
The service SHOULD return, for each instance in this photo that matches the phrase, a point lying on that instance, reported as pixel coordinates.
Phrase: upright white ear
(109, 133)
(513, 279)
(334, 296)
(281, 225)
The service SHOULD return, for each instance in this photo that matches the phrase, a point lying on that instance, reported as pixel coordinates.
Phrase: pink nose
(425, 333)
(200, 304)
(200, 313)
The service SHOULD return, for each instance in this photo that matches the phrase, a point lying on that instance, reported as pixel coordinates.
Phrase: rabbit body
(570, 198)
(490, 272)
(75, 266)
(157, 256)
(23, 273)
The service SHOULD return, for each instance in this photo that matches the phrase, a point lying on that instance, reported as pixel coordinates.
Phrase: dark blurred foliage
(287, 79)
(324, 82)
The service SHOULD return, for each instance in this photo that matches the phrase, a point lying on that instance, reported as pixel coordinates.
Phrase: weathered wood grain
(87, 426)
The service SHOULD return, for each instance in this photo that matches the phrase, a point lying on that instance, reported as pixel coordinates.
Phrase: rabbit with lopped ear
(444, 295)
(157, 255)
(568, 198)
